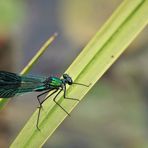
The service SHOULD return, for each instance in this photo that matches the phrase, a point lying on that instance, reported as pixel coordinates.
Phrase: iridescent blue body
(12, 84)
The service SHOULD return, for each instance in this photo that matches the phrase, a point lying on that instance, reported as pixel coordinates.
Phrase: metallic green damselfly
(12, 84)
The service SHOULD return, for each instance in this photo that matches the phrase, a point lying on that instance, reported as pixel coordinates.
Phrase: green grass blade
(38, 54)
(31, 64)
(106, 46)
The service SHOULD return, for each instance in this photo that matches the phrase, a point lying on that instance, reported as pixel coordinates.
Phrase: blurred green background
(114, 113)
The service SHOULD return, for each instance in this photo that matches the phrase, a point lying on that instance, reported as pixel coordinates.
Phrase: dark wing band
(9, 84)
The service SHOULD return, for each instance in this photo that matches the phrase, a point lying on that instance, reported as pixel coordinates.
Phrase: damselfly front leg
(65, 97)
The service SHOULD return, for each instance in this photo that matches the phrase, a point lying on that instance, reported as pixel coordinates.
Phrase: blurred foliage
(80, 19)
(11, 12)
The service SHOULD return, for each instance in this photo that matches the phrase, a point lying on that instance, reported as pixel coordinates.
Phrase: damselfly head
(67, 79)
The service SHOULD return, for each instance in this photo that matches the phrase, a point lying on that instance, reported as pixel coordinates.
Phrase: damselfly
(12, 84)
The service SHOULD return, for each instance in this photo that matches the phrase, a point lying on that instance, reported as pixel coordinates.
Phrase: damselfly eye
(68, 79)
(65, 76)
